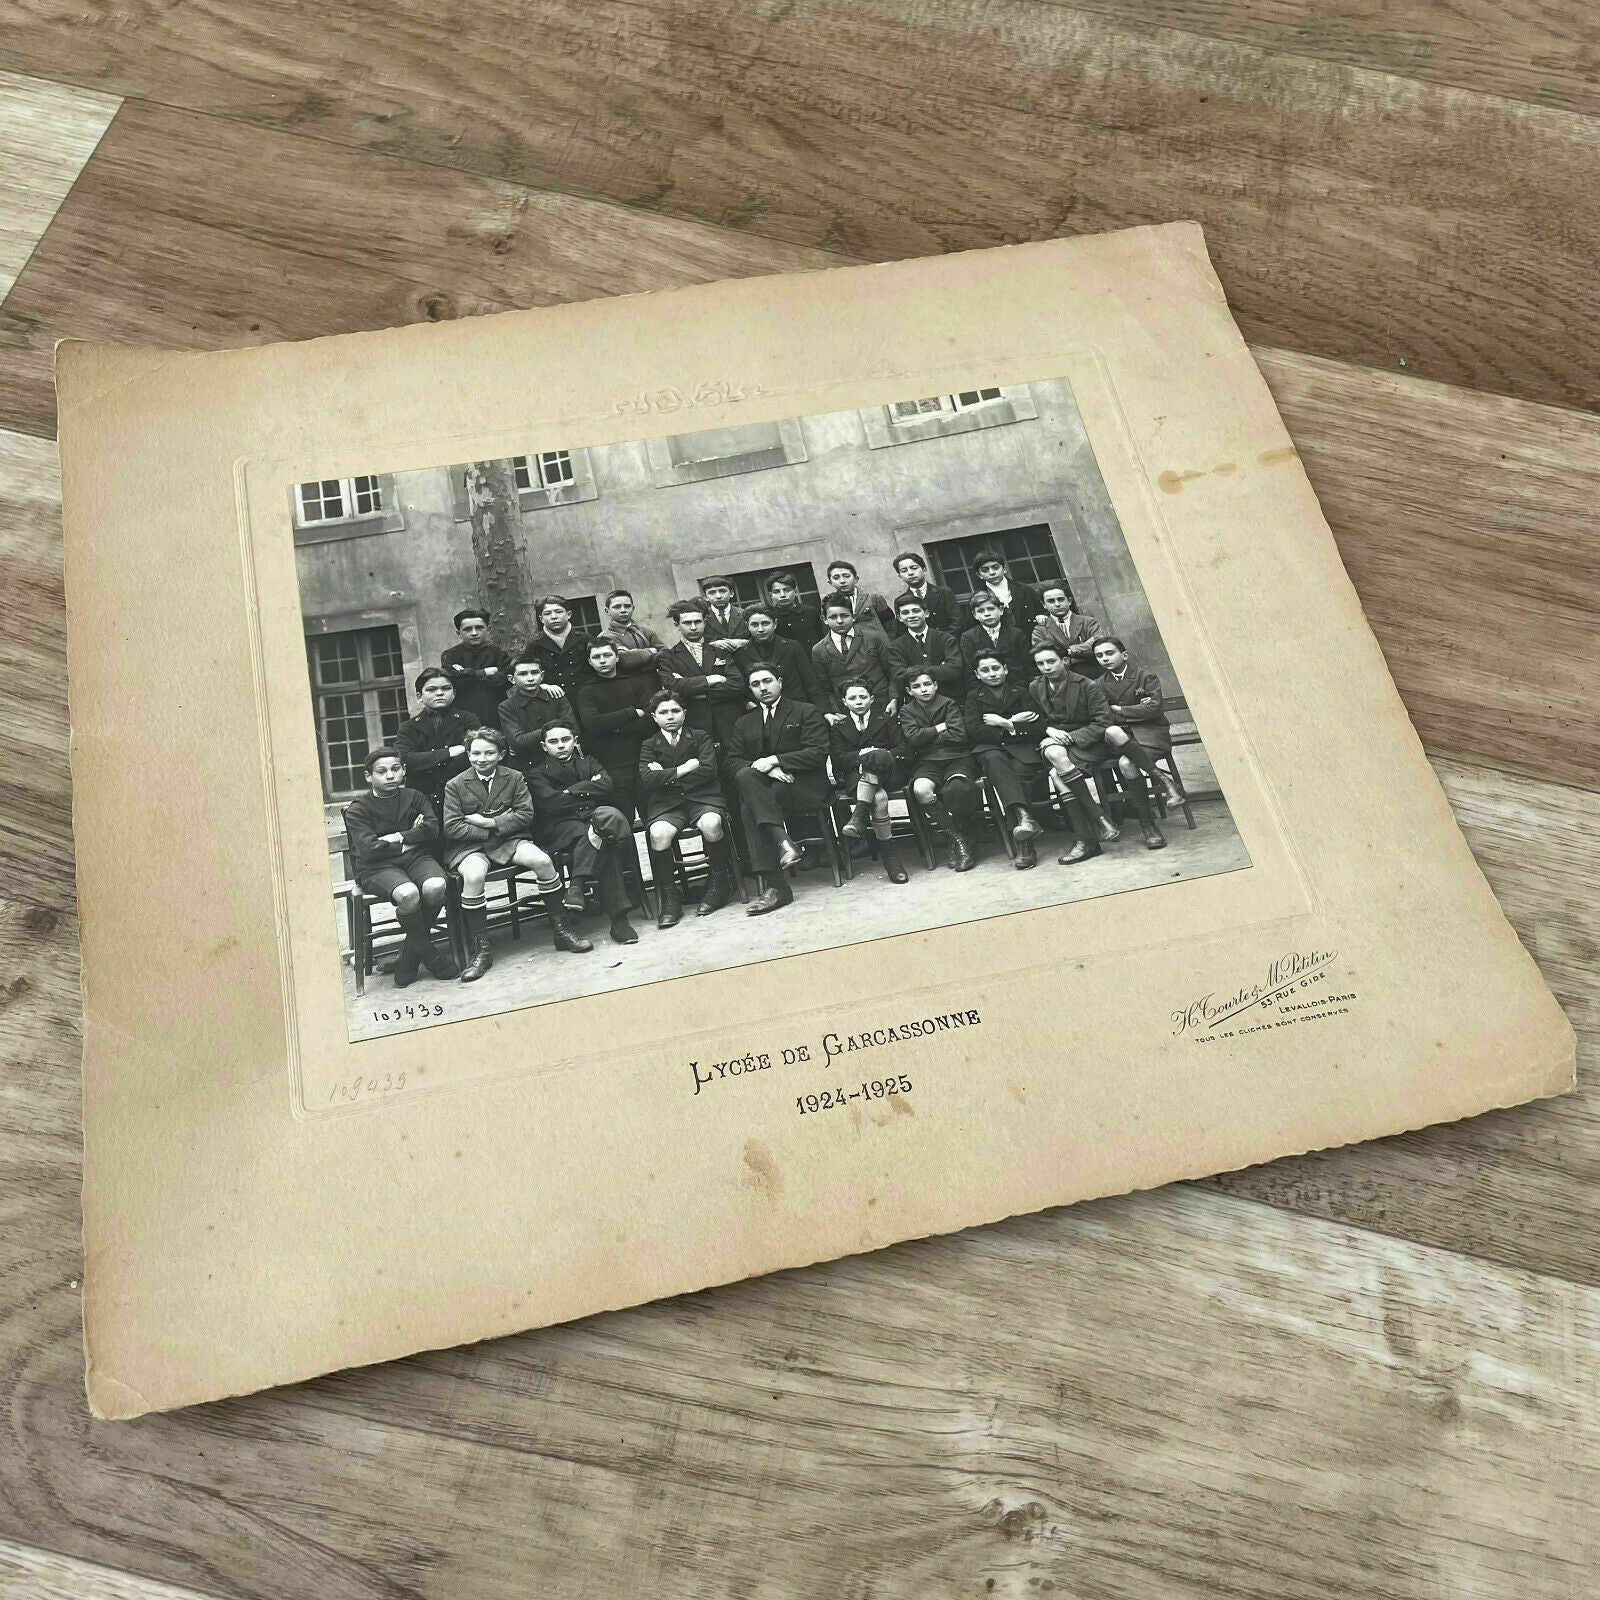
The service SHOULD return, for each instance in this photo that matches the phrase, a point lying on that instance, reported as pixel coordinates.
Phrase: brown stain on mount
(1172, 482)
(761, 1171)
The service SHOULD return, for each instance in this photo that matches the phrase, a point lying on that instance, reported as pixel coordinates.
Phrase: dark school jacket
(615, 720)
(803, 624)
(477, 693)
(867, 659)
(936, 652)
(1078, 705)
(1075, 641)
(1012, 645)
(660, 791)
(425, 740)
(636, 646)
(711, 707)
(369, 816)
(943, 608)
(568, 791)
(871, 610)
(798, 734)
(846, 742)
(728, 627)
(1006, 701)
(1026, 604)
(523, 719)
(794, 665)
(1135, 697)
(919, 732)
(565, 665)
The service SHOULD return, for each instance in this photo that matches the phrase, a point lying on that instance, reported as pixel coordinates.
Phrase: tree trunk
(504, 585)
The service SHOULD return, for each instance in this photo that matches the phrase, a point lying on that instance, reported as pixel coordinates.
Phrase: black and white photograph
(593, 717)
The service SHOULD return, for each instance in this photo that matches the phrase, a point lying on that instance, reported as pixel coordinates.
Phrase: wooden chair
(693, 872)
(827, 833)
(915, 826)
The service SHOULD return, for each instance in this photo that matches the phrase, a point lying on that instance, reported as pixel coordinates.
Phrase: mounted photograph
(594, 717)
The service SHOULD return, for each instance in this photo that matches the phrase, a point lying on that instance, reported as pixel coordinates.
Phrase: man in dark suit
(941, 604)
(778, 759)
(711, 687)
(921, 647)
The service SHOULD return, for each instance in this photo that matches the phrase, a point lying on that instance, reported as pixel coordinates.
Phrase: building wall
(843, 499)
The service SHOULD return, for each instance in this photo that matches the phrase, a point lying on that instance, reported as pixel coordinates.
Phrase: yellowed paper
(285, 1176)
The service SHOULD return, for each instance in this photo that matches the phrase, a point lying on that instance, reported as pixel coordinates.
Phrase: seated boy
(680, 787)
(478, 669)
(572, 793)
(523, 713)
(861, 750)
(393, 832)
(944, 777)
(1004, 725)
(1138, 729)
(434, 742)
(1075, 716)
(488, 822)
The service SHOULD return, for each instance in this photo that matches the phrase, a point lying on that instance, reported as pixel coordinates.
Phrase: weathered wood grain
(271, 237)
(35, 783)
(29, 1574)
(1302, 1409)
(1353, 213)
(1540, 51)
(1519, 1186)
(47, 131)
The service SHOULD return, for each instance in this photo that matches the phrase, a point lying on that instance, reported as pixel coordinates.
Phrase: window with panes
(750, 588)
(1029, 553)
(358, 685)
(328, 500)
(549, 469)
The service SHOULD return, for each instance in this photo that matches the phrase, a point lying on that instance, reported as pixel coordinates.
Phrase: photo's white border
(1275, 892)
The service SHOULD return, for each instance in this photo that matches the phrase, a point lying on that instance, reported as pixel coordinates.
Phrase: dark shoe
(1027, 856)
(773, 899)
(860, 823)
(1079, 852)
(1109, 831)
(440, 963)
(893, 867)
(1153, 837)
(563, 937)
(479, 964)
(789, 855)
(671, 910)
(962, 856)
(405, 966)
(622, 930)
(716, 894)
(573, 899)
(1025, 827)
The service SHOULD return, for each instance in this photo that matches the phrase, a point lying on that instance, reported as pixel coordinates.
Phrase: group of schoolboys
(769, 710)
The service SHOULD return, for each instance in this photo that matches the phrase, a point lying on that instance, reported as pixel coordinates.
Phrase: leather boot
(439, 963)
(1085, 844)
(407, 963)
(622, 930)
(774, 898)
(561, 932)
(962, 856)
(860, 823)
(1023, 826)
(1154, 839)
(718, 891)
(477, 920)
(894, 869)
(664, 872)
(1027, 855)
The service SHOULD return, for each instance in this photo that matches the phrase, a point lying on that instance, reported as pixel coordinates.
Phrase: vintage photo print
(596, 717)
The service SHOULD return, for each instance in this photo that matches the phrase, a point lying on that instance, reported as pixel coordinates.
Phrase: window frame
(349, 495)
(368, 684)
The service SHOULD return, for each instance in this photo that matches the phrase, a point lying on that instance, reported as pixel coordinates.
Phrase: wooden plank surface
(1369, 1371)
(1354, 213)
(1187, 1391)
(29, 1574)
(47, 131)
